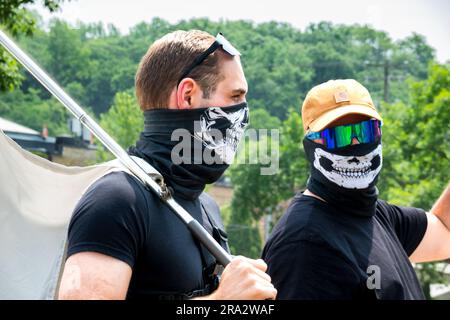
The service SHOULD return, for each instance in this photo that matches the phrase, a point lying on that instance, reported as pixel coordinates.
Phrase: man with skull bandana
(337, 240)
(123, 241)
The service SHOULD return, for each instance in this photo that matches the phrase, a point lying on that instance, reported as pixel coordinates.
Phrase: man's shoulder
(305, 224)
(302, 220)
(118, 183)
(383, 211)
(116, 190)
(394, 215)
(208, 201)
(111, 218)
(305, 211)
(211, 209)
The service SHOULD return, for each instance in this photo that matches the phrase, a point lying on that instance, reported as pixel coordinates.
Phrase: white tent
(37, 198)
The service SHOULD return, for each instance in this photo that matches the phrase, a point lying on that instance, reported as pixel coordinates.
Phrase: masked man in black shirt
(337, 240)
(123, 242)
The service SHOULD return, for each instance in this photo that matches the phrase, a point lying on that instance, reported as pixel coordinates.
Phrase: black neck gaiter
(345, 177)
(191, 148)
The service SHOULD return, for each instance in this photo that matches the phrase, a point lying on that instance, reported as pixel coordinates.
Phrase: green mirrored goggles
(341, 136)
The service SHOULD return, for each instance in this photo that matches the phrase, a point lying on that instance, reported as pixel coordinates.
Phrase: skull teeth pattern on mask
(351, 172)
(224, 144)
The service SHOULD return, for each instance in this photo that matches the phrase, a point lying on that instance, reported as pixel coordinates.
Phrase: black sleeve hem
(103, 249)
(424, 224)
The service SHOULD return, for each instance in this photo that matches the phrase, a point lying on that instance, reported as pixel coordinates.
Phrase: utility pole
(386, 80)
(386, 64)
(267, 224)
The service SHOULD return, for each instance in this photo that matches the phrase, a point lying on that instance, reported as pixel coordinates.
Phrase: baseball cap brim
(334, 114)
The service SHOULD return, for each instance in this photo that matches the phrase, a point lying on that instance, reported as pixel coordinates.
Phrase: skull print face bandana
(191, 148)
(345, 177)
(220, 130)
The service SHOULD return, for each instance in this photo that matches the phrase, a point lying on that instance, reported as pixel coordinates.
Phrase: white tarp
(37, 198)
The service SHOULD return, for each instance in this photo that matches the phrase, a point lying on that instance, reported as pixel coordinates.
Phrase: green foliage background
(96, 64)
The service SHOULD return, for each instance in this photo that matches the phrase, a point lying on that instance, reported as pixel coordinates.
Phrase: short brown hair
(165, 61)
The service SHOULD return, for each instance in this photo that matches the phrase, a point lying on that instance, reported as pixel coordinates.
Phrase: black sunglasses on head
(220, 42)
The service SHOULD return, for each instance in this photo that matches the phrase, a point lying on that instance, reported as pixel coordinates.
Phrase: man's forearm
(441, 208)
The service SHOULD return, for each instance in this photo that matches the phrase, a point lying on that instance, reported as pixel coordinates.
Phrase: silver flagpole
(157, 184)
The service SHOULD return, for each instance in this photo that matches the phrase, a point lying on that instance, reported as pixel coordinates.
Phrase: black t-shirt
(118, 217)
(317, 252)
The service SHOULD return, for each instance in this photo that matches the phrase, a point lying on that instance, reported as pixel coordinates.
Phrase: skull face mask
(351, 172)
(203, 150)
(345, 177)
(222, 131)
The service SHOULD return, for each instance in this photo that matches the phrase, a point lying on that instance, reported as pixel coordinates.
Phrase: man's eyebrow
(239, 91)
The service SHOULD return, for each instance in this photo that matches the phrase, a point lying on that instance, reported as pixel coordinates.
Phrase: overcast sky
(399, 18)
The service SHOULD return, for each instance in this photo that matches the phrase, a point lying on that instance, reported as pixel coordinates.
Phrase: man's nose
(355, 141)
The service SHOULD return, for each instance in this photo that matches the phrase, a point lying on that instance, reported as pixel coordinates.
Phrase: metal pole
(197, 230)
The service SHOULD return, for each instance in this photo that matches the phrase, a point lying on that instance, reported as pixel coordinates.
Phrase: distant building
(28, 138)
(67, 150)
(442, 291)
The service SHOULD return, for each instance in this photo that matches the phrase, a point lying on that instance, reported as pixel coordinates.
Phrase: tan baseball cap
(334, 99)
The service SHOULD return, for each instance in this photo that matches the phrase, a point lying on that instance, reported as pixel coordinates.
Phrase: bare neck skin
(310, 194)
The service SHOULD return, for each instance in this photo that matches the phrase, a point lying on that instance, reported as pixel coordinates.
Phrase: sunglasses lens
(367, 131)
(377, 128)
(363, 132)
(328, 136)
(227, 46)
(343, 135)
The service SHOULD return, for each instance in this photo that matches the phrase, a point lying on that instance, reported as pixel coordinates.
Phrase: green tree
(123, 121)
(15, 18)
(416, 139)
(281, 62)
(254, 196)
(261, 119)
(30, 110)
(69, 59)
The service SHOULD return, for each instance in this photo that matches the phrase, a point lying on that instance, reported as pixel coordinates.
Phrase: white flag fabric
(37, 198)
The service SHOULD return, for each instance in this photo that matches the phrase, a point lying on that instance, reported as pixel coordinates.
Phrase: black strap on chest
(211, 269)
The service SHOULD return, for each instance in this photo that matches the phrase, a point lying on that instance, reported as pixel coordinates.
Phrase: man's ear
(186, 93)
